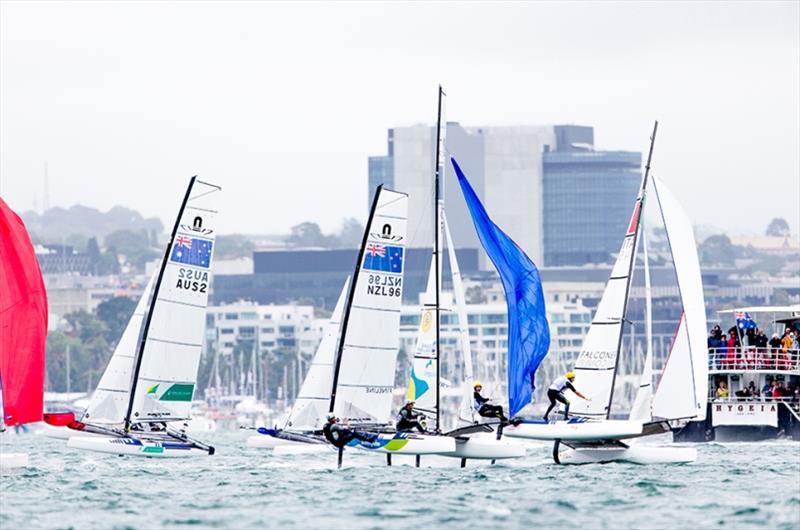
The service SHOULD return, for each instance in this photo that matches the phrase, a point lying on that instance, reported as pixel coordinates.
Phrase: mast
(436, 235)
(351, 296)
(638, 211)
(154, 297)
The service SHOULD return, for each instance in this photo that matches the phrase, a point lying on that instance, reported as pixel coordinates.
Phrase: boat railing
(750, 358)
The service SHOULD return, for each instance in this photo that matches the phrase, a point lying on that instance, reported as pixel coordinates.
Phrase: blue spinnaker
(528, 331)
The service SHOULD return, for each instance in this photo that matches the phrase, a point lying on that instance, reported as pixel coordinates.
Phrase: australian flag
(192, 251)
(383, 258)
(744, 320)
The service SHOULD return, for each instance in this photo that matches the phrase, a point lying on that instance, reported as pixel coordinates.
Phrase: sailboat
(110, 398)
(364, 371)
(148, 385)
(23, 331)
(424, 380)
(591, 435)
(305, 421)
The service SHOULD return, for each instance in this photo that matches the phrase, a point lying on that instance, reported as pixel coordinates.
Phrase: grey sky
(282, 103)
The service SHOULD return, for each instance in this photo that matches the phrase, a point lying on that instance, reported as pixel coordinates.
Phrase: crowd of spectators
(772, 390)
(758, 351)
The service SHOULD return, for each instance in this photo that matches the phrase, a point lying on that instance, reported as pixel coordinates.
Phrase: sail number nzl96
(379, 285)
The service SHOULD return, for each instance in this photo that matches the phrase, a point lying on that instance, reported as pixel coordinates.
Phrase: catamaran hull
(300, 448)
(265, 441)
(63, 433)
(13, 460)
(408, 444)
(137, 447)
(482, 448)
(576, 430)
(633, 454)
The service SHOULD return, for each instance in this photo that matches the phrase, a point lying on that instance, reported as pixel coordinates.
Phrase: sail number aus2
(192, 280)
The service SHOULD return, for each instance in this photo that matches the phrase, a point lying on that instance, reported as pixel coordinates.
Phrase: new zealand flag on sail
(192, 251)
(383, 258)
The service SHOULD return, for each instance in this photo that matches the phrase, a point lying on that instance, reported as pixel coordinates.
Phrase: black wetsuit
(554, 395)
(486, 410)
(339, 435)
(407, 420)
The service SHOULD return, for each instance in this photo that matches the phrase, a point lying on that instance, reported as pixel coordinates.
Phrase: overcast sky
(281, 104)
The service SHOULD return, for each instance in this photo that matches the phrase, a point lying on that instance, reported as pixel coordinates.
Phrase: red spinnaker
(23, 323)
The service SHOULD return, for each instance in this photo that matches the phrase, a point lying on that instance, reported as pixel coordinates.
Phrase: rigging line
(218, 188)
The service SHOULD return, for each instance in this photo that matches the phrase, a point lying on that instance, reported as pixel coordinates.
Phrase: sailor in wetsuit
(556, 393)
(407, 419)
(339, 435)
(482, 407)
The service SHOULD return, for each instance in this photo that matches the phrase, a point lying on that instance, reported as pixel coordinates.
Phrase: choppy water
(731, 485)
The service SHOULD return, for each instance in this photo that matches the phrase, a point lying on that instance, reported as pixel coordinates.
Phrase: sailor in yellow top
(556, 393)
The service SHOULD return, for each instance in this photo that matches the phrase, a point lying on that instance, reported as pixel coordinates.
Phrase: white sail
(683, 387)
(109, 402)
(596, 365)
(465, 411)
(364, 379)
(313, 400)
(643, 402)
(173, 336)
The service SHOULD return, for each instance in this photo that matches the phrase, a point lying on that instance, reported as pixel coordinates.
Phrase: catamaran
(424, 381)
(146, 391)
(302, 431)
(23, 331)
(591, 435)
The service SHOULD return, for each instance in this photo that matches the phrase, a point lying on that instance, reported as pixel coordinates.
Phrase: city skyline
(159, 92)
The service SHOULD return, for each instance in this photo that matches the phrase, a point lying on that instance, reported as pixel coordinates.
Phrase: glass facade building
(588, 199)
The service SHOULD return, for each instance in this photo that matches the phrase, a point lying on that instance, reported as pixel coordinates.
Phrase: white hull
(408, 444)
(577, 431)
(300, 448)
(486, 448)
(62, 433)
(136, 447)
(13, 460)
(635, 454)
(264, 441)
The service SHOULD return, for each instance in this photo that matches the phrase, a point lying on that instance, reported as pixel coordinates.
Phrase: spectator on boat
(408, 419)
(482, 407)
(777, 390)
(761, 342)
(722, 390)
(766, 390)
(713, 347)
(751, 387)
(340, 435)
(556, 393)
(732, 346)
(775, 350)
(717, 332)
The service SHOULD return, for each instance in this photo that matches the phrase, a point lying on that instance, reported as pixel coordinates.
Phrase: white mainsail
(683, 387)
(596, 365)
(308, 412)
(166, 374)
(465, 411)
(109, 402)
(642, 404)
(365, 371)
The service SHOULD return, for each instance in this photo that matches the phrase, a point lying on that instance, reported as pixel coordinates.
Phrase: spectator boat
(23, 331)
(754, 378)
(143, 401)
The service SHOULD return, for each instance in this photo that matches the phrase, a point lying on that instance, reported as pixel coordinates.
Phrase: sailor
(482, 407)
(339, 435)
(556, 393)
(408, 419)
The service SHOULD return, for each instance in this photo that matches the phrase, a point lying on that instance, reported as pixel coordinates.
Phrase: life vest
(559, 384)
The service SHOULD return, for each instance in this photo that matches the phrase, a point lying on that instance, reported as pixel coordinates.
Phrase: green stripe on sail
(178, 392)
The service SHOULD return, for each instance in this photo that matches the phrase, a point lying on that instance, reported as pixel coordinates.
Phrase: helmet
(570, 375)
(330, 416)
(409, 402)
(477, 384)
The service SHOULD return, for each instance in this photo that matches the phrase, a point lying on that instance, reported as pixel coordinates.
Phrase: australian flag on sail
(744, 320)
(383, 258)
(192, 251)
(528, 331)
